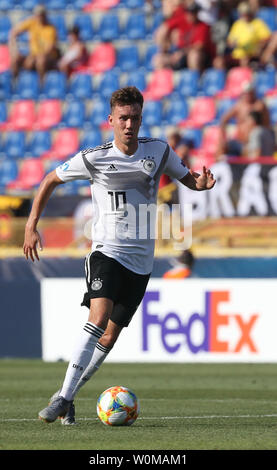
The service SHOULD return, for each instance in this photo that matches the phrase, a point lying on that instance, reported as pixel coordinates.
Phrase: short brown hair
(127, 95)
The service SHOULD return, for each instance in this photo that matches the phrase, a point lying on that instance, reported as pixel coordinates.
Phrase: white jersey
(124, 192)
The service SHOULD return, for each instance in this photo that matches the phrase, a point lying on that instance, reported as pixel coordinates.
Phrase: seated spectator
(248, 37)
(261, 139)
(43, 51)
(76, 53)
(247, 103)
(191, 45)
(169, 32)
(182, 146)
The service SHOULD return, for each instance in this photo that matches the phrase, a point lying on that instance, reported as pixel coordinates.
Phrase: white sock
(99, 355)
(80, 358)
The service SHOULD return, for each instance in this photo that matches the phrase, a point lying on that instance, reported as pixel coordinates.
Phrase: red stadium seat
(206, 153)
(101, 59)
(161, 84)
(5, 60)
(49, 114)
(100, 5)
(211, 139)
(30, 175)
(66, 144)
(236, 79)
(21, 117)
(203, 111)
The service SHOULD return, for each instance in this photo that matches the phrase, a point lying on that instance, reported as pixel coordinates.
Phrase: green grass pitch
(183, 406)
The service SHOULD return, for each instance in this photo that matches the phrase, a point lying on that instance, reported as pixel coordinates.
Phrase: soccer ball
(117, 406)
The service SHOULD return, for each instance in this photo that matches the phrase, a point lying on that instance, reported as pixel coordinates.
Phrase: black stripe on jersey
(93, 330)
(107, 145)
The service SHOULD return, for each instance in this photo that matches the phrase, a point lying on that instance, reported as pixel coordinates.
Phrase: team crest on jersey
(96, 284)
(149, 164)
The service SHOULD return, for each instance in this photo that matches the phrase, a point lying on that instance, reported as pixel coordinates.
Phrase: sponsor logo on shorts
(96, 284)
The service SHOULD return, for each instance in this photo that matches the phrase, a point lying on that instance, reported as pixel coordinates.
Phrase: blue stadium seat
(55, 4)
(40, 142)
(222, 107)
(58, 20)
(78, 4)
(6, 5)
(8, 173)
(133, 3)
(176, 111)
(268, 15)
(29, 4)
(212, 81)
(188, 83)
(91, 138)
(109, 28)
(5, 85)
(5, 26)
(149, 54)
(272, 107)
(108, 83)
(85, 25)
(137, 78)
(80, 86)
(55, 85)
(144, 131)
(264, 81)
(99, 113)
(14, 145)
(128, 58)
(152, 113)
(3, 112)
(27, 85)
(74, 115)
(135, 27)
(157, 20)
(195, 135)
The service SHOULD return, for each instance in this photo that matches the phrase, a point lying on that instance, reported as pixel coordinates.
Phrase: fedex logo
(211, 321)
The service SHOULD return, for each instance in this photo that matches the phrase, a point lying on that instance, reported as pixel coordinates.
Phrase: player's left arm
(199, 182)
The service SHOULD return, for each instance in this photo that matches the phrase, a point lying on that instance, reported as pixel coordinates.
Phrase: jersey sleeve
(73, 169)
(174, 166)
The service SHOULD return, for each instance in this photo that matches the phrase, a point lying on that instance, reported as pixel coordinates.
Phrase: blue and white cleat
(58, 407)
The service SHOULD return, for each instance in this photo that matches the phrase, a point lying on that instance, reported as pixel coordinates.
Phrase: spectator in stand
(43, 51)
(184, 41)
(247, 103)
(168, 33)
(247, 37)
(182, 146)
(261, 139)
(75, 55)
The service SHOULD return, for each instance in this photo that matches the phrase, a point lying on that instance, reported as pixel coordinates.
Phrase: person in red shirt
(184, 41)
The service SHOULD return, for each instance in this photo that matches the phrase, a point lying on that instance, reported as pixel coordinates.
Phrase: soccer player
(124, 176)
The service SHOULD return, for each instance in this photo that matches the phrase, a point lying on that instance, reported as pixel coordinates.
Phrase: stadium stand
(120, 38)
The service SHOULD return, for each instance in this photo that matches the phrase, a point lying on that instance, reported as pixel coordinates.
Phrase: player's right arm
(32, 240)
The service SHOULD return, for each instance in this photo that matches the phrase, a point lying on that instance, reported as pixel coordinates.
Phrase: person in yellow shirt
(248, 36)
(43, 51)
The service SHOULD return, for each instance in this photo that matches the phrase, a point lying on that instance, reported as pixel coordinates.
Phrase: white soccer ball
(117, 406)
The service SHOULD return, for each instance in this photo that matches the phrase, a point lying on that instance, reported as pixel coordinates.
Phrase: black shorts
(106, 277)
